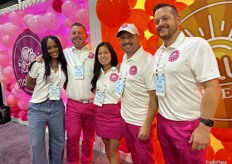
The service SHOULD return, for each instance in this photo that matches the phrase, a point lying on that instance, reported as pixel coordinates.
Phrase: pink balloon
(62, 40)
(15, 115)
(16, 18)
(1, 30)
(24, 117)
(9, 72)
(5, 26)
(82, 16)
(13, 16)
(11, 29)
(22, 13)
(57, 5)
(85, 4)
(12, 101)
(18, 89)
(7, 41)
(12, 85)
(15, 94)
(26, 18)
(69, 9)
(8, 86)
(14, 110)
(35, 24)
(62, 30)
(51, 21)
(5, 80)
(23, 104)
(4, 60)
(68, 22)
(22, 114)
(4, 52)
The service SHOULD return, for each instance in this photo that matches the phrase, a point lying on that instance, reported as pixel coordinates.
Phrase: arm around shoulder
(31, 82)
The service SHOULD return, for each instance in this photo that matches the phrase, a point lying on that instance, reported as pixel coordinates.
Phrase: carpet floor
(15, 146)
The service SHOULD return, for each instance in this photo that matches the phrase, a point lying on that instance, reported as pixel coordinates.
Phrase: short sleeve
(35, 68)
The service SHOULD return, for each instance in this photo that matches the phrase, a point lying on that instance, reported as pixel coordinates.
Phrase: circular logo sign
(212, 21)
(26, 48)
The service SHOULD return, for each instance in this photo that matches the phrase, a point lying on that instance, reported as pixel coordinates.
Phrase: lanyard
(104, 83)
(59, 76)
(160, 69)
(76, 62)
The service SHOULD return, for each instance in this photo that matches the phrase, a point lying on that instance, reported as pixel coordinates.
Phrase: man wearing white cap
(136, 87)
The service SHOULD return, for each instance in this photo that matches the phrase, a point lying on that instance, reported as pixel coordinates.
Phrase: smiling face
(104, 56)
(78, 36)
(129, 43)
(167, 23)
(52, 48)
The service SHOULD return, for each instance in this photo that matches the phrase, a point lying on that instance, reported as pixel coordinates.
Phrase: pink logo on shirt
(174, 56)
(133, 70)
(114, 77)
(91, 55)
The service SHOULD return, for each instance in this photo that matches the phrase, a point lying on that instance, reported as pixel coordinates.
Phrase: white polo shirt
(106, 83)
(42, 87)
(80, 89)
(139, 80)
(187, 63)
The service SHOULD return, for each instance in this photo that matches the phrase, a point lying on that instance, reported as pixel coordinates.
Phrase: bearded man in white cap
(136, 87)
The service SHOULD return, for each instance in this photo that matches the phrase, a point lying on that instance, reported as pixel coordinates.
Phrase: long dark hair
(98, 65)
(47, 58)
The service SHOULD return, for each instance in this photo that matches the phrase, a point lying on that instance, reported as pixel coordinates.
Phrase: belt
(85, 101)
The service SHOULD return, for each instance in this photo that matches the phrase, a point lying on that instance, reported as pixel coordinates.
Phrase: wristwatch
(207, 122)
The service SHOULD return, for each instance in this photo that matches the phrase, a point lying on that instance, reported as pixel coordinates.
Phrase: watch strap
(207, 122)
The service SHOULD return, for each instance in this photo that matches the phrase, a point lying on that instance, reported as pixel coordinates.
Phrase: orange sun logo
(212, 21)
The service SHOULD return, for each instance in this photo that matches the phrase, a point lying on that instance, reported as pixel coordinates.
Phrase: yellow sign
(211, 19)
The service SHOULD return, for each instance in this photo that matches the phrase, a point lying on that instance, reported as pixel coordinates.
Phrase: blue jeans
(51, 113)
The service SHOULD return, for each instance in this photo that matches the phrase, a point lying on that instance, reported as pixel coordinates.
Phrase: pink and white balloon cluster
(15, 97)
(54, 18)
(74, 12)
(66, 12)
(49, 20)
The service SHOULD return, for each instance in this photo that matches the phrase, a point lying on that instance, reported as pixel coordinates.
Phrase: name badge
(79, 72)
(54, 93)
(160, 85)
(119, 87)
(99, 98)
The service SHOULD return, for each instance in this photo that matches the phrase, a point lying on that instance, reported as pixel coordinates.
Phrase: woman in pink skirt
(108, 118)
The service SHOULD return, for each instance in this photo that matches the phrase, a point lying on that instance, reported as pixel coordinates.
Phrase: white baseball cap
(129, 28)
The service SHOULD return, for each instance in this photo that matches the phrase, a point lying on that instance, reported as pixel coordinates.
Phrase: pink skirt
(109, 121)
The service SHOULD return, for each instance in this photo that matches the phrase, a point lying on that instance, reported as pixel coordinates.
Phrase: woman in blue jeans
(46, 106)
